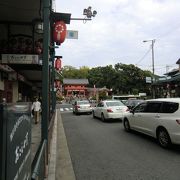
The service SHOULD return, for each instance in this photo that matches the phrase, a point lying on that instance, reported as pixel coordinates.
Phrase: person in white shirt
(36, 106)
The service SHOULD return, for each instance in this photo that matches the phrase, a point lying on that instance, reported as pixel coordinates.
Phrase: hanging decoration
(58, 64)
(59, 33)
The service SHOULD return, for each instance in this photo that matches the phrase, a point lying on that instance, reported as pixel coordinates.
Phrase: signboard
(142, 94)
(20, 59)
(162, 78)
(18, 162)
(71, 34)
(148, 80)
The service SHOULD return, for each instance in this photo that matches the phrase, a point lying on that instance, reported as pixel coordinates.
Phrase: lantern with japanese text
(59, 33)
(58, 64)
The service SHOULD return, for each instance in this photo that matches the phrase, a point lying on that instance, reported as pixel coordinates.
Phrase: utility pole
(152, 47)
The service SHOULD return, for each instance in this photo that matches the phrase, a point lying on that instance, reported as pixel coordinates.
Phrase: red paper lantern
(57, 84)
(58, 64)
(59, 33)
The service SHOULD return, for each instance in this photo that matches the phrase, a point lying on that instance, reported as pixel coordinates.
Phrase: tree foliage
(72, 72)
(122, 78)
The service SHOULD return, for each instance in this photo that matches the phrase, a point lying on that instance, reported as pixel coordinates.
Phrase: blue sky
(117, 32)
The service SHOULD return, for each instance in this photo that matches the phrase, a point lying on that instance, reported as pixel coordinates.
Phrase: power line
(143, 56)
(170, 31)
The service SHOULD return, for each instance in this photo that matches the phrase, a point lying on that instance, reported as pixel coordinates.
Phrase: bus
(124, 98)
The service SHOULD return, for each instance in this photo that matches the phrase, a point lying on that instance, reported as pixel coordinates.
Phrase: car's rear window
(169, 107)
(114, 103)
(82, 102)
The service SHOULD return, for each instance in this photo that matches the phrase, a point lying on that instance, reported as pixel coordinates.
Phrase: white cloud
(116, 33)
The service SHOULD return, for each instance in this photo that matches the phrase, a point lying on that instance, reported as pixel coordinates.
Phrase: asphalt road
(104, 151)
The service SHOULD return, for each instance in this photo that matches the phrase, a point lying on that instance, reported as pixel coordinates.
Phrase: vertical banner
(18, 162)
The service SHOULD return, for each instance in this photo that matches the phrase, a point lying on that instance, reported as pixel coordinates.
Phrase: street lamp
(152, 47)
(88, 14)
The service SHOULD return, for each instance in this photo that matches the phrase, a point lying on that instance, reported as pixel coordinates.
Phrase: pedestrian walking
(36, 108)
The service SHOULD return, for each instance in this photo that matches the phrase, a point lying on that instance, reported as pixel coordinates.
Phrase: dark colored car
(131, 103)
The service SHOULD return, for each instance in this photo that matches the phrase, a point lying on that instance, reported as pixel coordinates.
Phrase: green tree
(122, 78)
(102, 76)
(72, 72)
(132, 78)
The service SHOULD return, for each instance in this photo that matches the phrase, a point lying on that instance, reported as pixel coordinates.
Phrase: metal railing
(39, 171)
(2, 141)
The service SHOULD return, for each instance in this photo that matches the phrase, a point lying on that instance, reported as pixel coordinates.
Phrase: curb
(52, 162)
(60, 164)
(64, 168)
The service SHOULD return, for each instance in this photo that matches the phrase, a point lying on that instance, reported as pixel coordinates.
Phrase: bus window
(125, 97)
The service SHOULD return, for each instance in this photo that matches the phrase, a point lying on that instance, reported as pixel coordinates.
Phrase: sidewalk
(60, 165)
(35, 138)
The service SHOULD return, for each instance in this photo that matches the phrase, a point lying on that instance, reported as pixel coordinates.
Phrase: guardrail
(2, 141)
(50, 130)
(39, 171)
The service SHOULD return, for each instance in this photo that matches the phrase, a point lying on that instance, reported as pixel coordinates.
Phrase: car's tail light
(77, 106)
(178, 121)
(109, 110)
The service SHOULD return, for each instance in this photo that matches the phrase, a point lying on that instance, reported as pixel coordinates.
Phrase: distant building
(169, 85)
(75, 87)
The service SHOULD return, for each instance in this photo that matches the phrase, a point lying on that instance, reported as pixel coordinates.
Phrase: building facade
(75, 87)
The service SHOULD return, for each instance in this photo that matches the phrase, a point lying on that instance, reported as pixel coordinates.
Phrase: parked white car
(159, 118)
(110, 109)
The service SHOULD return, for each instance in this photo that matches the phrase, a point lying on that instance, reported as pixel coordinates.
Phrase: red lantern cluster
(59, 33)
(21, 45)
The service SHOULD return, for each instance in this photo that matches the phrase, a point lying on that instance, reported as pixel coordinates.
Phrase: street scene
(101, 150)
(89, 90)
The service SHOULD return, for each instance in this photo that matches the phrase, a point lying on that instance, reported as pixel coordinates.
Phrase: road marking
(66, 109)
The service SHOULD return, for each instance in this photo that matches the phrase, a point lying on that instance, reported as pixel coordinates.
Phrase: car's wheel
(163, 138)
(103, 118)
(126, 125)
(93, 115)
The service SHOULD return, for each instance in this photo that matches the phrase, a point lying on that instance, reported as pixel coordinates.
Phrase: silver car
(82, 106)
(110, 109)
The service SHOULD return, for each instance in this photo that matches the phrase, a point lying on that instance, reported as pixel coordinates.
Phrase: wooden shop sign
(20, 59)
